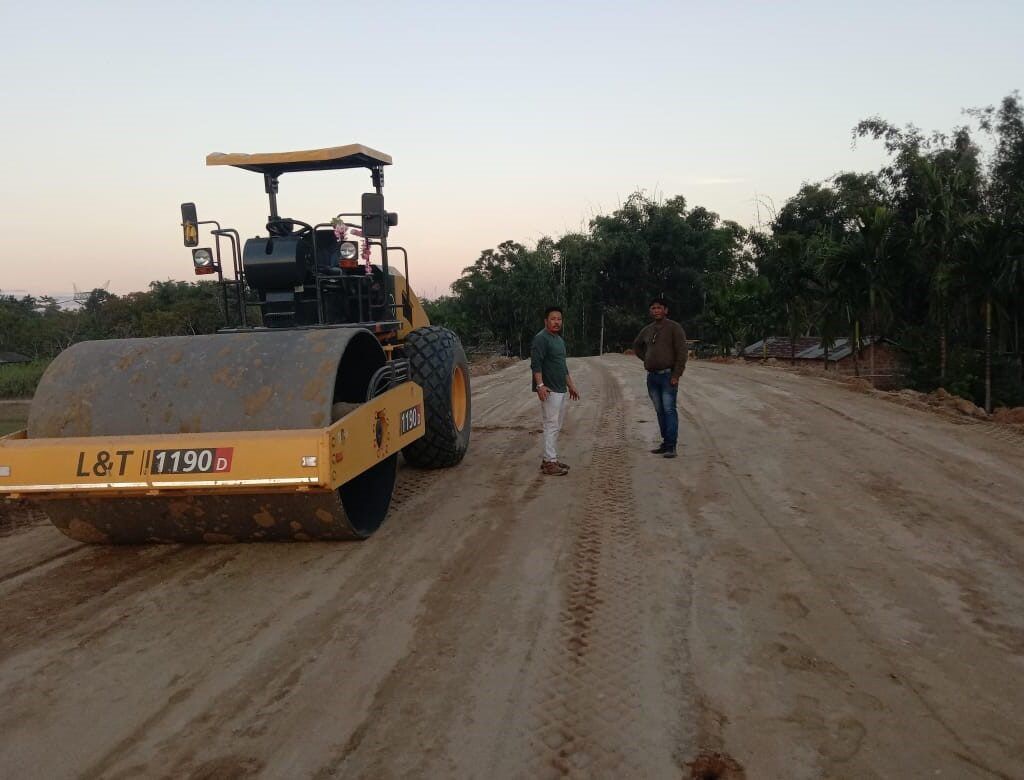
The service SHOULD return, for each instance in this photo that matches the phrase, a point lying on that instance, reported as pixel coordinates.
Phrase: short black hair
(659, 299)
(550, 309)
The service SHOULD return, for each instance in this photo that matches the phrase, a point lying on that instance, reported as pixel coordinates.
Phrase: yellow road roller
(284, 425)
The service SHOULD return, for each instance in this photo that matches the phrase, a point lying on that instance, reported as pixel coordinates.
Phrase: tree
(942, 232)
(790, 275)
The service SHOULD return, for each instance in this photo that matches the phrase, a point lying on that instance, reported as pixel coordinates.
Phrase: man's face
(658, 311)
(553, 322)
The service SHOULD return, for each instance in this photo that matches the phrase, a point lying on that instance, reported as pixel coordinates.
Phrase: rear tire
(438, 364)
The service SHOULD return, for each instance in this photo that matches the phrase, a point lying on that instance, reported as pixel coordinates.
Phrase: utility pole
(988, 355)
(600, 348)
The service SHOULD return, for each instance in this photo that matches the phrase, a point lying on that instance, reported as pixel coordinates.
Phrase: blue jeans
(663, 395)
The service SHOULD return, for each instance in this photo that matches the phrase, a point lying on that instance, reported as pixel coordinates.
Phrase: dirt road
(822, 585)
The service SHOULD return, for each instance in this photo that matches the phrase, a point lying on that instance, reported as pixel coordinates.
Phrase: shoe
(563, 465)
(670, 452)
(662, 449)
(553, 469)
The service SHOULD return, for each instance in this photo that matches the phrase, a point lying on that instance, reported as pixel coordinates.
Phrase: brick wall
(890, 368)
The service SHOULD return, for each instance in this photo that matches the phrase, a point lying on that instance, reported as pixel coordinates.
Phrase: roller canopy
(330, 159)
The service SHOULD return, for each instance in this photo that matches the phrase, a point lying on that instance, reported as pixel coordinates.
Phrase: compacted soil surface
(821, 585)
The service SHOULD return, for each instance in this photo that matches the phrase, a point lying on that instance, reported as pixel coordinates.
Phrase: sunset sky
(505, 121)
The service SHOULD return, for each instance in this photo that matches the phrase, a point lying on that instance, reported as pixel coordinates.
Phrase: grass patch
(13, 416)
(10, 426)
(19, 380)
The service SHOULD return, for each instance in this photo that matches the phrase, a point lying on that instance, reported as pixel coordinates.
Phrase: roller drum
(249, 381)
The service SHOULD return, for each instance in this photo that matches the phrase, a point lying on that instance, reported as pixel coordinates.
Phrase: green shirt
(547, 356)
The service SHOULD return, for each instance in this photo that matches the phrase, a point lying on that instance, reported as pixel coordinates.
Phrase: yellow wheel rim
(460, 401)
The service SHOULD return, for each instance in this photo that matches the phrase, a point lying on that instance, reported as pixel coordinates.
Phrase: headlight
(348, 250)
(203, 261)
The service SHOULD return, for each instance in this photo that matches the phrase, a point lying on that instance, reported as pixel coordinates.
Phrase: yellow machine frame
(260, 461)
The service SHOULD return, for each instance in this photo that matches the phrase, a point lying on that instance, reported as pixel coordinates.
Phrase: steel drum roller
(248, 381)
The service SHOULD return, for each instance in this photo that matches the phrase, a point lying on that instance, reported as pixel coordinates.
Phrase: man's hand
(542, 393)
(674, 381)
(574, 393)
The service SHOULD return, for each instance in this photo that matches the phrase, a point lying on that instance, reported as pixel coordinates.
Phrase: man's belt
(661, 371)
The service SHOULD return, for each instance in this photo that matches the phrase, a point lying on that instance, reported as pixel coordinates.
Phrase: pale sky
(505, 120)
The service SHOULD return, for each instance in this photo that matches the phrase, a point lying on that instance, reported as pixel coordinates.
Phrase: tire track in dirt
(328, 625)
(55, 584)
(411, 485)
(448, 622)
(1003, 433)
(982, 496)
(999, 432)
(60, 592)
(15, 517)
(9, 578)
(81, 595)
(585, 713)
(701, 727)
(991, 430)
(71, 592)
(22, 528)
(964, 751)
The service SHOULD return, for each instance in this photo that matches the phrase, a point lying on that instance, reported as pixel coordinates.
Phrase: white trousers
(553, 411)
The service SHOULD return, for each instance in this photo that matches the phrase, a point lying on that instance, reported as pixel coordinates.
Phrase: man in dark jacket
(662, 347)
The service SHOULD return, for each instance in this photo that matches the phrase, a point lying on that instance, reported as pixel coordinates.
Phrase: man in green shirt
(662, 347)
(551, 382)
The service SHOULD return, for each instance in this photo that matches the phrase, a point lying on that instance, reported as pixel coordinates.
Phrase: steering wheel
(284, 226)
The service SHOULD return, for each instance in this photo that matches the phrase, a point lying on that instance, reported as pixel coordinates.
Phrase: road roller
(286, 424)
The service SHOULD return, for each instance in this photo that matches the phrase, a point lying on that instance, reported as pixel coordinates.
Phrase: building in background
(889, 362)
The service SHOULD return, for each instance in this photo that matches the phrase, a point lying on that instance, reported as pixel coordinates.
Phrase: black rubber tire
(435, 354)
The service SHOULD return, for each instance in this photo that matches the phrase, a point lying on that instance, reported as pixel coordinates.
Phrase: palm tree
(832, 312)
(995, 269)
(789, 271)
(985, 253)
(941, 229)
(1011, 271)
(864, 264)
(1011, 284)
(846, 279)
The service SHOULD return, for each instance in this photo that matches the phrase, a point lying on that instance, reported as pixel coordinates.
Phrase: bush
(964, 367)
(965, 370)
(1007, 388)
(19, 380)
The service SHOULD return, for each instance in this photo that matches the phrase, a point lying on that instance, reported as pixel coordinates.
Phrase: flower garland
(342, 230)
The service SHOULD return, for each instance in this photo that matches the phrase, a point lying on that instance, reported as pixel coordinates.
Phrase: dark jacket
(662, 346)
